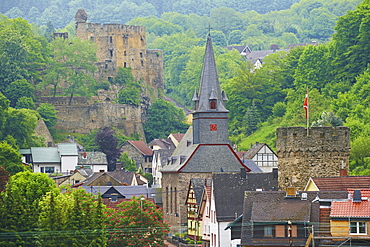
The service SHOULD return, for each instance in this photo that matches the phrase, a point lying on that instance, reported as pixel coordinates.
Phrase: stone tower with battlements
(122, 46)
(323, 152)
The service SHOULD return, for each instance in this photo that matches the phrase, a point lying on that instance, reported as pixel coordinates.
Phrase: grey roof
(162, 143)
(209, 81)
(252, 165)
(164, 155)
(45, 155)
(255, 55)
(126, 191)
(67, 149)
(229, 188)
(253, 150)
(92, 158)
(189, 157)
(198, 187)
(25, 151)
(125, 177)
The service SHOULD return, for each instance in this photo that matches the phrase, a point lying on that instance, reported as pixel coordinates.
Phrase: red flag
(305, 104)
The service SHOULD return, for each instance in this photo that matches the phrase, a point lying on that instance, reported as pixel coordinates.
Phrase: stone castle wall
(83, 115)
(321, 153)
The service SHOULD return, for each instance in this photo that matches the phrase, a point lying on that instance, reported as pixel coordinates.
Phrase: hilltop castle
(122, 46)
(118, 46)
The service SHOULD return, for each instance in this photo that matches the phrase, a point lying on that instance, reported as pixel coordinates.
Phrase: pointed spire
(209, 83)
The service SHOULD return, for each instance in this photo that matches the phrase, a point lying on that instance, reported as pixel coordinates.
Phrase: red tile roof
(342, 183)
(178, 136)
(142, 147)
(350, 209)
(364, 192)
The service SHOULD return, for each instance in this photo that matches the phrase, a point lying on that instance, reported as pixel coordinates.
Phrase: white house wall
(98, 168)
(69, 163)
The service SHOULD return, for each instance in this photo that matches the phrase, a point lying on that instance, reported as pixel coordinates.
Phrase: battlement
(113, 27)
(318, 138)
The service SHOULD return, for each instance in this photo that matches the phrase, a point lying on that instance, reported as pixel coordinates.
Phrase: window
(358, 227)
(267, 231)
(213, 104)
(47, 169)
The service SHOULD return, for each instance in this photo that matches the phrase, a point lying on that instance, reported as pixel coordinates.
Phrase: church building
(204, 149)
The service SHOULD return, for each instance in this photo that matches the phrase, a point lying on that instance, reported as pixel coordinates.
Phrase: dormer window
(212, 104)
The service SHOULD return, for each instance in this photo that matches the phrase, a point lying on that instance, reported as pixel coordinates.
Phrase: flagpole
(308, 115)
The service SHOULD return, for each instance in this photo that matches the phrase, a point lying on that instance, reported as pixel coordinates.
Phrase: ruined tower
(122, 46)
(321, 153)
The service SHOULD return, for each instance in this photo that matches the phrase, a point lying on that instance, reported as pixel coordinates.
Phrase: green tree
(48, 114)
(360, 150)
(21, 124)
(107, 142)
(19, 208)
(18, 89)
(73, 65)
(138, 222)
(164, 118)
(128, 163)
(10, 159)
(74, 218)
(22, 53)
(25, 102)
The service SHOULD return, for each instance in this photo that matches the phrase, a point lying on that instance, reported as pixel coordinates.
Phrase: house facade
(264, 157)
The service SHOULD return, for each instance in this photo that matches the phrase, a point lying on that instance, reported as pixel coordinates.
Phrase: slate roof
(293, 210)
(162, 143)
(188, 157)
(67, 149)
(126, 191)
(239, 48)
(45, 155)
(252, 165)
(164, 155)
(350, 209)
(209, 84)
(125, 177)
(141, 147)
(198, 187)
(255, 55)
(92, 158)
(229, 188)
(253, 150)
(342, 183)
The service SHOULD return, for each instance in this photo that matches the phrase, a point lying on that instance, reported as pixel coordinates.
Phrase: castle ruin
(118, 46)
(122, 46)
(320, 152)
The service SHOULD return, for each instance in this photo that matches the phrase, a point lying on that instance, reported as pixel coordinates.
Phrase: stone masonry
(122, 46)
(321, 153)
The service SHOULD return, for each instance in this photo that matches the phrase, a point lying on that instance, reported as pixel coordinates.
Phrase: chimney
(84, 155)
(243, 173)
(343, 172)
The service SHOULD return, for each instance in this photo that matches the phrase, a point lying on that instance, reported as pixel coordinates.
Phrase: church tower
(210, 118)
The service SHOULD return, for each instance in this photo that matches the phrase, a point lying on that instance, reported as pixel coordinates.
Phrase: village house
(140, 152)
(222, 203)
(262, 155)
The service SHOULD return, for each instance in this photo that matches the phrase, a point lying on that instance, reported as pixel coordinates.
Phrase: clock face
(213, 127)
